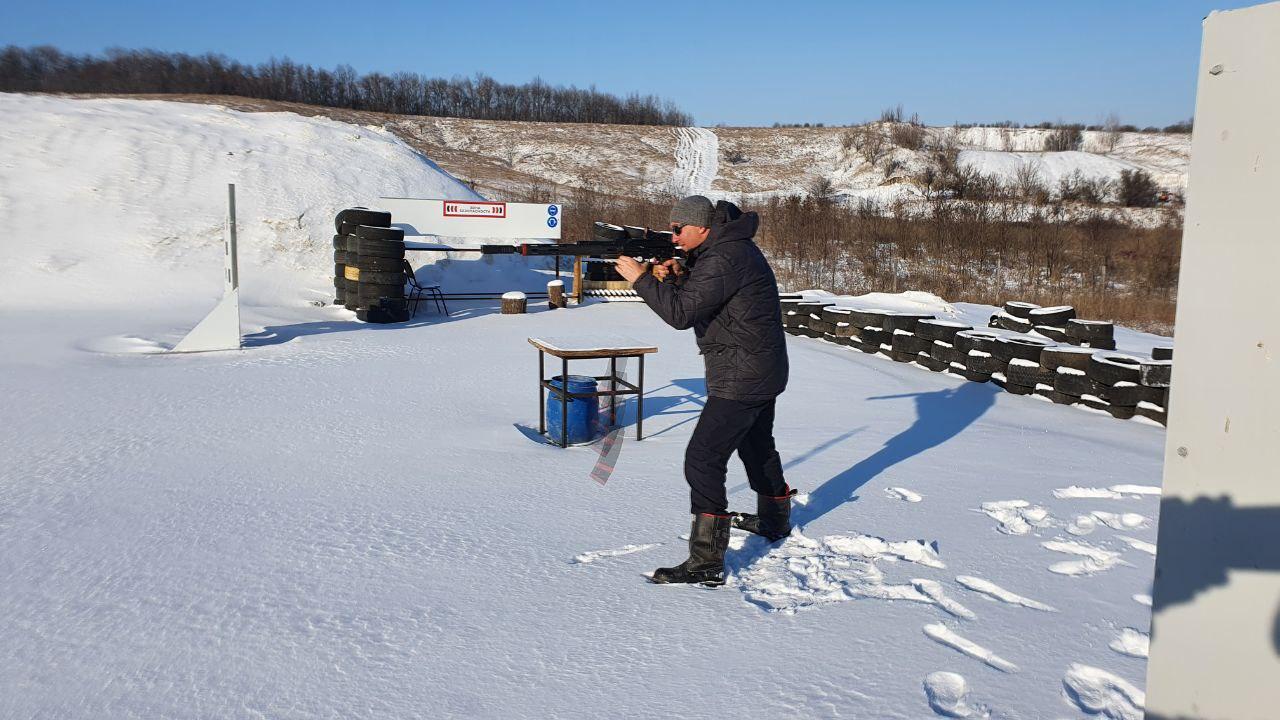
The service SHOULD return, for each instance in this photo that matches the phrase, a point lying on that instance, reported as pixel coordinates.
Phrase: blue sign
(552, 210)
(551, 222)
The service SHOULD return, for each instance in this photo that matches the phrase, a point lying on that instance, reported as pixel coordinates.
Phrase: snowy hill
(508, 159)
(122, 201)
(360, 521)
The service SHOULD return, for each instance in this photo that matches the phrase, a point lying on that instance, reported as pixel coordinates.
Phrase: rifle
(637, 242)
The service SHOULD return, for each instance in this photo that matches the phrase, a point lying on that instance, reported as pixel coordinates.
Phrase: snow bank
(122, 201)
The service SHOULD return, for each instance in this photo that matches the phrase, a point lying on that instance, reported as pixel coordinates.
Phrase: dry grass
(963, 252)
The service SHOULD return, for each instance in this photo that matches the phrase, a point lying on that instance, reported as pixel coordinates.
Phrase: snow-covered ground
(360, 521)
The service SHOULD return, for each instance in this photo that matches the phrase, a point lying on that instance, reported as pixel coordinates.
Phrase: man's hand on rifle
(667, 268)
(630, 268)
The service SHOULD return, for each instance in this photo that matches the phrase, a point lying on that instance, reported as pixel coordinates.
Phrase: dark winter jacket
(730, 298)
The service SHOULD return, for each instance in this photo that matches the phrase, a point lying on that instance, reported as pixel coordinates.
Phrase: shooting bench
(596, 348)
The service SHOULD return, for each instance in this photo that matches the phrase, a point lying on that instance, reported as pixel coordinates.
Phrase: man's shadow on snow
(940, 416)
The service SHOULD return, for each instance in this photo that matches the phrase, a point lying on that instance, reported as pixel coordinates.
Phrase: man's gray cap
(693, 210)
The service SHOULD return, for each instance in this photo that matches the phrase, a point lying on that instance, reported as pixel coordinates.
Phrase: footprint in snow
(948, 696)
(1115, 492)
(1016, 517)
(999, 594)
(1099, 692)
(1092, 559)
(932, 589)
(1085, 524)
(1133, 643)
(903, 494)
(594, 555)
(1137, 544)
(943, 635)
(802, 573)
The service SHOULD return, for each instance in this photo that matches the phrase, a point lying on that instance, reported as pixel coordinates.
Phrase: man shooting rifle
(728, 294)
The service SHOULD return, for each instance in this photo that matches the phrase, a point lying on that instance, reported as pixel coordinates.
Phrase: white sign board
(474, 218)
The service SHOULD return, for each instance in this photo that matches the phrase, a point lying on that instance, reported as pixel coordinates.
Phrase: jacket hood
(729, 224)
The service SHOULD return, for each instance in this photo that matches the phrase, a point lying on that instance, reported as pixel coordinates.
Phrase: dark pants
(723, 427)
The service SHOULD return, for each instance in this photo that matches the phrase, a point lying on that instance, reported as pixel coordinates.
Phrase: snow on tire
(1053, 333)
(904, 321)
(1056, 316)
(1090, 331)
(1124, 394)
(1028, 373)
(1015, 324)
(372, 232)
(934, 329)
(1076, 358)
(362, 216)
(1110, 368)
(869, 318)
(1076, 383)
(1155, 373)
(1009, 348)
(969, 340)
(906, 342)
(1020, 309)
(984, 363)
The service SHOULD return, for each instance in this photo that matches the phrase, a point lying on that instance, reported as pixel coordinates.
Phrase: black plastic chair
(417, 290)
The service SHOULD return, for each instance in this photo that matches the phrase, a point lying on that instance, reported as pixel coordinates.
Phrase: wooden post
(513, 303)
(555, 294)
(577, 278)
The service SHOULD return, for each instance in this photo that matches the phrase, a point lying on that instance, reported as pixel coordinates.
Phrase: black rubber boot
(772, 518)
(708, 540)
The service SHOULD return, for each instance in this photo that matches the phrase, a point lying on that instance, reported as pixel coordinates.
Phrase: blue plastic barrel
(584, 417)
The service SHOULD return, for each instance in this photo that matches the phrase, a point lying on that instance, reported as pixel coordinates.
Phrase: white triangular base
(220, 329)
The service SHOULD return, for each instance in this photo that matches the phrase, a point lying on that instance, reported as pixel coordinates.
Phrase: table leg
(613, 385)
(564, 402)
(542, 393)
(640, 403)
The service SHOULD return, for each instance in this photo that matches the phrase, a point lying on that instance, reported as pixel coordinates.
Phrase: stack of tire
(374, 272)
(808, 318)
(836, 325)
(868, 332)
(345, 250)
(1097, 334)
(904, 345)
(1130, 385)
(1057, 323)
(790, 314)
(973, 355)
(941, 338)
(1024, 370)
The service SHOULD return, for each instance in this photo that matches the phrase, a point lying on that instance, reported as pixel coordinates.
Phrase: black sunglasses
(677, 229)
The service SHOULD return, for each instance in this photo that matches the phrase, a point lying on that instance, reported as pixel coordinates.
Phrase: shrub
(1137, 189)
(1078, 188)
(910, 135)
(1068, 137)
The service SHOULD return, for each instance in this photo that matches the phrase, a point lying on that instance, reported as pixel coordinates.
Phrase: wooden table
(598, 347)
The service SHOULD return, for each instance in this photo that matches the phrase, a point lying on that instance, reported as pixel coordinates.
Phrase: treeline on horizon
(47, 69)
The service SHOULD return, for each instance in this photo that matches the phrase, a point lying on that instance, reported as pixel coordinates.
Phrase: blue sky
(740, 63)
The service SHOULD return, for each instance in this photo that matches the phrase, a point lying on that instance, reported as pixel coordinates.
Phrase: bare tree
(1111, 132)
